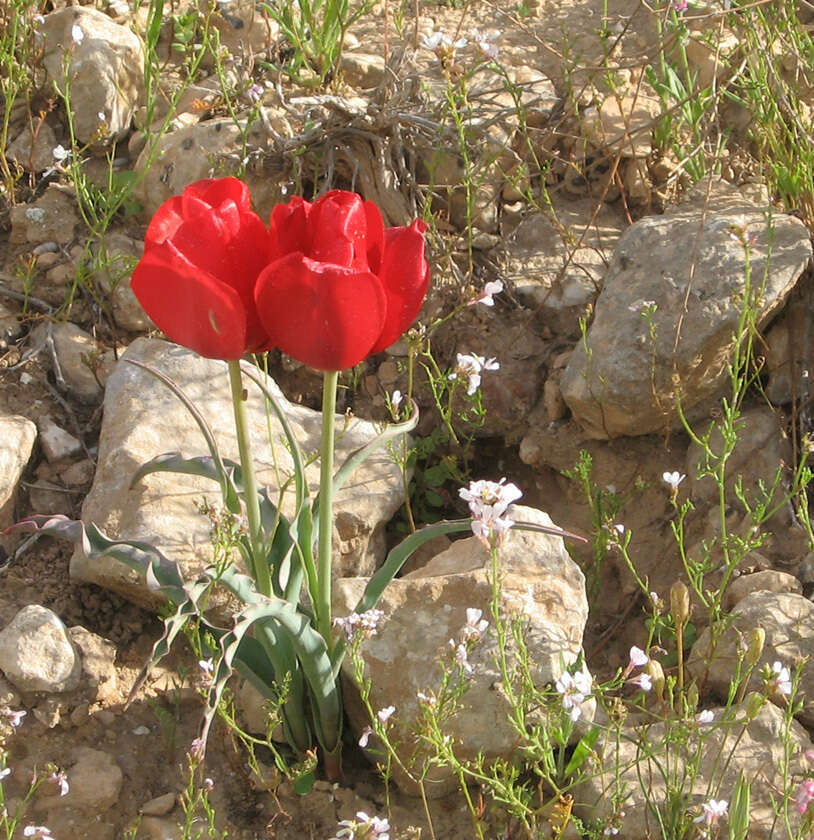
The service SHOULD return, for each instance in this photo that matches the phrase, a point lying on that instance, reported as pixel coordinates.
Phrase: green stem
(326, 492)
(259, 568)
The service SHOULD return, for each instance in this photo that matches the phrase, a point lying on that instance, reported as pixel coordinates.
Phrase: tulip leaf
(229, 496)
(283, 540)
(308, 645)
(358, 456)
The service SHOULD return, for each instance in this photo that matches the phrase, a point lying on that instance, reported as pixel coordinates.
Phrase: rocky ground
(622, 288)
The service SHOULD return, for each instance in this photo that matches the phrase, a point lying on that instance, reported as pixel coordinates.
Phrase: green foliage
(315, 29)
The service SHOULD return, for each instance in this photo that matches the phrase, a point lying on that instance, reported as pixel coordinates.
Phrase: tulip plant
(326, 283)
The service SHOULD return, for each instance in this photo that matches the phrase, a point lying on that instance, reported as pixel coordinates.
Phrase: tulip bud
(656, 672)
(754, 646)
(680, 603)
(754, 703)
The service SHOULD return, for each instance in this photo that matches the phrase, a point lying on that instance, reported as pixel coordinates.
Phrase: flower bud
(680, 603)
(692, 696)
(656, 672)
(754, 646)
(754, 703)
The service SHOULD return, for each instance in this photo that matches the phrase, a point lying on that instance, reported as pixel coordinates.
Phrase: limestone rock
(104, 67)
(620, 381)
(17, 435)
(50, 218)
(142, 419)
(34, 151)
(623, 124)
(205, 150)
(56, 443)
(788, 620)
(82, 366)
(362, 70)
(427, 608)
(95, 781)
(98, 663)
(555, 275)
(767, 580)
(36, 652)
(722, 751)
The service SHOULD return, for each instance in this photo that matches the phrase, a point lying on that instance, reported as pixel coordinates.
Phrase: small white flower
(255, 92)
(365, 736)
(461, 656)
(705, 717)
(575, 690)
(396, 399)
(206, 665)
(61, 780)
(673, 479)
(486, 297)
(643, 681)
(426, 699)
(39, 831)
(6, 771)
(484, 42)
(493, 496)
(60, 153)
(385, 714)
(438, 41)
(638, 658)
(782, 679)
(369, 828)
(14, 718)
(472, 366)
(101, 115)
(642, 305)
(475, 626)
(713, 811)
(77, 34)
(363, 624)
(620, 529)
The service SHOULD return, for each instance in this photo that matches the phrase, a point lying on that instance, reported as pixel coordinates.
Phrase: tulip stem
(259, 567)
(326, 493)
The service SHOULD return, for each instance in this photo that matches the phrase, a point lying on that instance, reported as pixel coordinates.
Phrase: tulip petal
(405, 277)
(326, 316)
(191, 306)
(339, 222)
(215, 191)
(288, 227)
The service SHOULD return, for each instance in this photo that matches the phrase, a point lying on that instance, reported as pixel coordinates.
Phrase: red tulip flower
(339, 287)
(203, 253)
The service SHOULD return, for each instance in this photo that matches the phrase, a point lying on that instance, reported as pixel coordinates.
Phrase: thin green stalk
(259, 568)
(326, 492)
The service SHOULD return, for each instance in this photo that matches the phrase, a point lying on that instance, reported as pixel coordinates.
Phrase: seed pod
(680, 603)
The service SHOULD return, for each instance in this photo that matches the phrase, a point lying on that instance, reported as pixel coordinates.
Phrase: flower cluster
(638, 659)
(575, 689)
(13, 718)
(804, 795)
(325, 282)
(488, 501)
(780, 679)
(363, 828)
(472, 366)
(359, 625)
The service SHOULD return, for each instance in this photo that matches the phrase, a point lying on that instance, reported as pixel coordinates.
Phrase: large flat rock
(143, 418)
